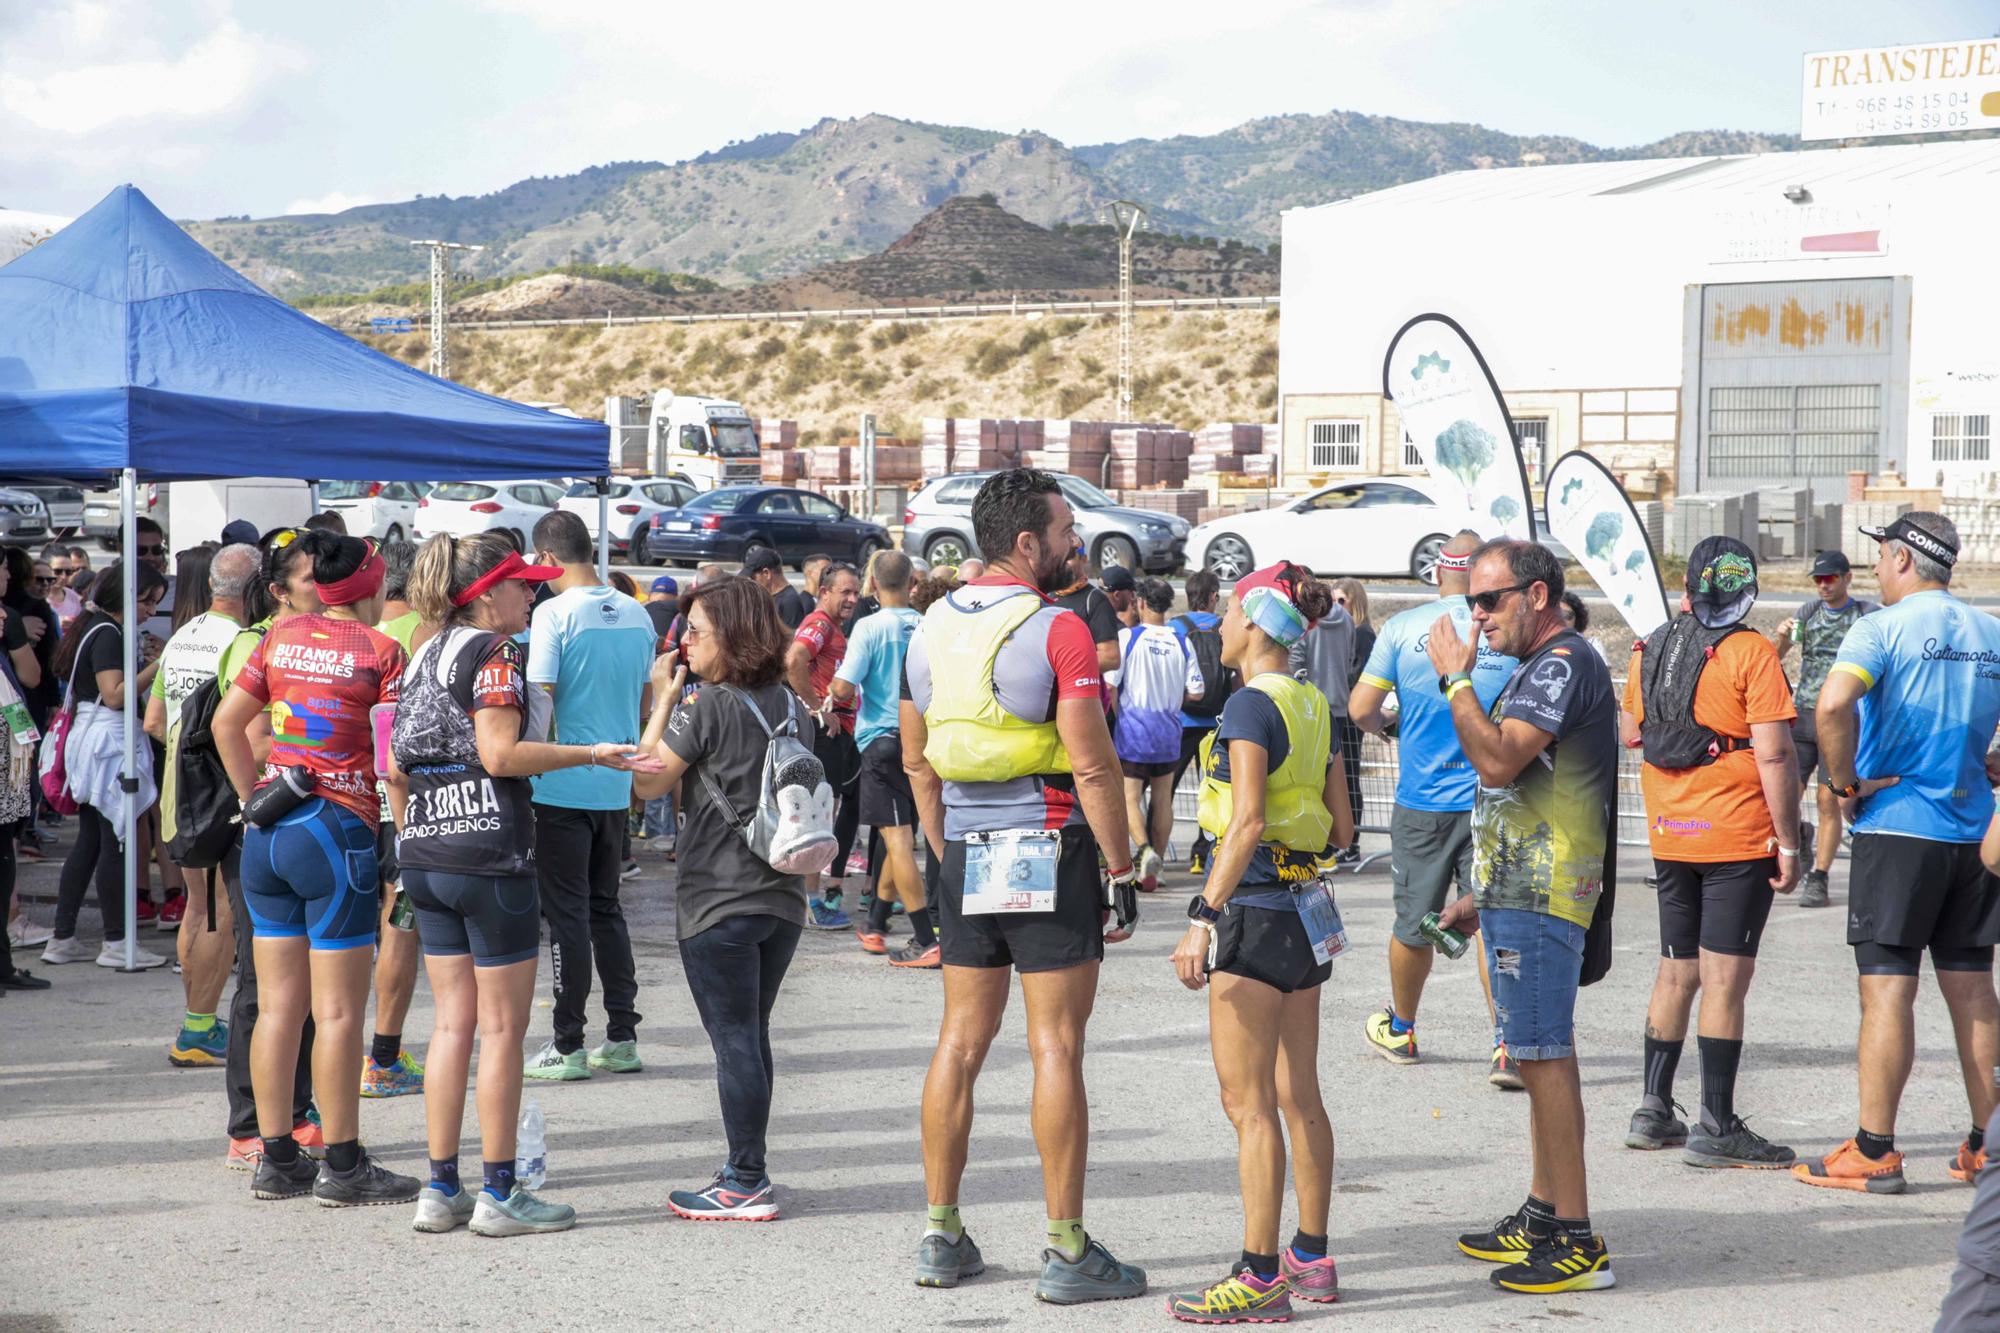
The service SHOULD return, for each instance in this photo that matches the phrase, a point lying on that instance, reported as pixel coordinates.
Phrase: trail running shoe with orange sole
(1967, 1164)
(311, 1141)
(872, 941)
(1845, 1168)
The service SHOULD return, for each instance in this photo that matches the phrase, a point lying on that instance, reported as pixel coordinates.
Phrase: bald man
(1431, 828)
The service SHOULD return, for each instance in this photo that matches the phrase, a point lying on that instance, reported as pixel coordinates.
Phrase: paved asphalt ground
(117, 1212)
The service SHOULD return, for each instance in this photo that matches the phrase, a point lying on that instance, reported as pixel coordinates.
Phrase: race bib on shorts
(1011, 871)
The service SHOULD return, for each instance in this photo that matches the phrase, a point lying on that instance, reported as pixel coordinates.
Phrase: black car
(728, 523)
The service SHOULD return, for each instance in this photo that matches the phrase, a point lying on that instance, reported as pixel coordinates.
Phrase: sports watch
(1199, 910)
(1851, 789)
(1449, 679)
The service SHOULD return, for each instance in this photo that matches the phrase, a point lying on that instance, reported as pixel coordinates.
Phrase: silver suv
(937, 525)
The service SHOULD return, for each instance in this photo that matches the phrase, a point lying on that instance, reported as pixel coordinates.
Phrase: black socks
(1662, 1059)
(1976, 1139)
(499, 1179)
(281, 1151)
(878, 915)
(1876, 1146)
(922, 928)
(1719, 1058)
(444, 1174)
(387, 1048)
(1538, 1218)
(344, 1156)
(1263, 1267)
(1575, 1231)
(1307, 1246)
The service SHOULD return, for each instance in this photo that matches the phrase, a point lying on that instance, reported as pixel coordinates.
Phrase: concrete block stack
(1784, 521)
(830, 465)
(1227, 446)
(783, 467)
(1861, 551)
(1826, 521)
(937, 446)
(1180, 503)
(774, 433)
(1702, 515)
(976, 445)
(1653, 518)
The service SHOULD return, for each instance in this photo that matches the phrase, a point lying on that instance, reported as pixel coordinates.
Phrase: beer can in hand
(1447, 942)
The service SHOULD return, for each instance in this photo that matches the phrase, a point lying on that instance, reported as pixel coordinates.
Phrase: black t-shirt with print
(103, 650)
(461, 819)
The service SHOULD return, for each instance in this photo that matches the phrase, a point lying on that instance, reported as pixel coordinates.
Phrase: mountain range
(782, 204)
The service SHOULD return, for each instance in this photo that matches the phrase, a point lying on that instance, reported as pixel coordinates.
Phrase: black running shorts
(1070, 935)
(886, 799)
(1267, 944)
(495, 918)
(1720, 906)
(1805, 744)
(1918, 894)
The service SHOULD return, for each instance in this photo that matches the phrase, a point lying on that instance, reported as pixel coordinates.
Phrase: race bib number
(1321, 917)
(1011, 872)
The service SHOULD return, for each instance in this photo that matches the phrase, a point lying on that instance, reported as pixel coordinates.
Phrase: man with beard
(1017, 785)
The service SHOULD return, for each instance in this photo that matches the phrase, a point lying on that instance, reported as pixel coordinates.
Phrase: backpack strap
(69, 691)
(714, 789)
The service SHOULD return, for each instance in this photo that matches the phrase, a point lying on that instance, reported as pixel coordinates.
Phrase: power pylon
(440, 284)
(1128, 218)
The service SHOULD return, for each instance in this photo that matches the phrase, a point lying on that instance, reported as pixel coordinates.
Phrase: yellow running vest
(971, 737)
(1295, 813)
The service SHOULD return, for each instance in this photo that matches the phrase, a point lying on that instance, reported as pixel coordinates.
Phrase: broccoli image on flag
(1506, 508)
(1603, 535)
(1465, 450)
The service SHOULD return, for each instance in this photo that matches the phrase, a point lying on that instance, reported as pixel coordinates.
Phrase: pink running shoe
(1316, 1281)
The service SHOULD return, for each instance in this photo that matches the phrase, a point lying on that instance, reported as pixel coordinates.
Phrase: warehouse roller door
(1796, 383)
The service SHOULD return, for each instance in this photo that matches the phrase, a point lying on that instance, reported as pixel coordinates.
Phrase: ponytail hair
(446, 566)
(1313, 598)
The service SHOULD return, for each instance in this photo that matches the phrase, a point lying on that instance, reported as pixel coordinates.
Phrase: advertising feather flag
(1589, 512)
(1453, 414)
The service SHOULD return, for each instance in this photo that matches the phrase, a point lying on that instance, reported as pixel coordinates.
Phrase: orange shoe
(1967, 1164)
(310, 1140)
(1846, 1169)
(872, 941)
(244, 1154)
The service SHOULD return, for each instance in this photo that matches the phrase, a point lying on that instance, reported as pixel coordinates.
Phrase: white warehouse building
(1700, 324)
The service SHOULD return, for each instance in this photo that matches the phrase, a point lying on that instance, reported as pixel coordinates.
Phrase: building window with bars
(1531, 434)
(1336, 446)
(1412, 460)
(1960, 437)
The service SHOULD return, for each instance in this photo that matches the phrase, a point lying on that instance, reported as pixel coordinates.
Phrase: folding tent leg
(128, 779)
(604, 529)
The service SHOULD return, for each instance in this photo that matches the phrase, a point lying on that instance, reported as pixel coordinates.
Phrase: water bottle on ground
(531, 1149)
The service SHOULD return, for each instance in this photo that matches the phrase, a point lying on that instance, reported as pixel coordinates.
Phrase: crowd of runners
(362, 756)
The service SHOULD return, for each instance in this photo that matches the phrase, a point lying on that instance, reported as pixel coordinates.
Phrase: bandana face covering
(1273, 612)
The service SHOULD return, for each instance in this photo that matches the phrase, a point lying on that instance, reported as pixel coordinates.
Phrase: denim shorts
(1535, 960)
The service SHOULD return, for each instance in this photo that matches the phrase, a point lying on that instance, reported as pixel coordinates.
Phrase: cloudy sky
(247, 106)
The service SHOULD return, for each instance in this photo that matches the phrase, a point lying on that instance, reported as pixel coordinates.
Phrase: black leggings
(1350, 760)
(9, 832)
(734, 969)
(95, 853)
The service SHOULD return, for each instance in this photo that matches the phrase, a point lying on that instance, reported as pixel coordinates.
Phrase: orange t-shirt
(1717, 812)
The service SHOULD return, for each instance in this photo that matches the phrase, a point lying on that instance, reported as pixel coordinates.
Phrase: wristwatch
(1851, 789)
(1200, 911)
(1449, 679)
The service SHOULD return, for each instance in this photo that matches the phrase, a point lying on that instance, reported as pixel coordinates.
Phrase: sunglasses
(42, 580)
(1489, 601)
(155, 549)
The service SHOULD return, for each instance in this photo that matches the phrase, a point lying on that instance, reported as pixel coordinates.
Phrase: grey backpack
(792, 828)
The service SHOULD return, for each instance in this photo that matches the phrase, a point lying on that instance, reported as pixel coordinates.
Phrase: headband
(512, 567)
(359, 586)
(1271, 611)
(1456, 564)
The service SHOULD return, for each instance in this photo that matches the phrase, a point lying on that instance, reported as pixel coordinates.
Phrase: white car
(462, 508)
(1378, 526)
(634, 501)
(384, 510)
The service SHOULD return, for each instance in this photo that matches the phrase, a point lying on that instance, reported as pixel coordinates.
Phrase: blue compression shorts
(314, 873)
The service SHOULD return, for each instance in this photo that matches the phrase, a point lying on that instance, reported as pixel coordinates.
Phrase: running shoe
(1397, 1050)
(630, 869)
(1094, 1277)
(872, 941)
(244, 1154)
(1149, 870)
(944, 1261)
(1846, 1168)
(22, 979)
(1967, 1164)
(32, 845)
(1196, 866)
(147, 911)
(1315, 1280)
(1812, 890)
(520, 1214)
(292, 1181)
(367, 1185)
(824, 914)
(723, 1201)
(70, 950)
(912, 956)
(438, 1212)
(1507, 1243)
(309, 1136)
(23, 933)
(1559, 1264)
(1347, 856)
(403, 1077)
(1735, 1144)
(1116, 934)
(557, 1066)
(171, 913)
(193, 1050)
(1505, 1073)
(663, 845)
(1656, 1127)
(616, 1057)
(113, 955)
(1240, 1298)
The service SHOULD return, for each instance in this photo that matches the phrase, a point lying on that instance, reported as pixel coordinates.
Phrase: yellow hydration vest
(971, 737)
(1295, 813)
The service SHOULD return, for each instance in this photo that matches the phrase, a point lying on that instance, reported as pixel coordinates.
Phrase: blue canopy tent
(129, 351)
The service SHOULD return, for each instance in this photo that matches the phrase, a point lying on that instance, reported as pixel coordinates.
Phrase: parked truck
(706, 442)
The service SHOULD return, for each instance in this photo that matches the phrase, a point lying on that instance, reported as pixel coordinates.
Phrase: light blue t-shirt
(874, 667)
(1179, 625)
(595, 645)
(1932, 667)
(1434, 773)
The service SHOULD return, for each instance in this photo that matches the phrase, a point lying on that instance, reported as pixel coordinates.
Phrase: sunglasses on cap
(1489, 601)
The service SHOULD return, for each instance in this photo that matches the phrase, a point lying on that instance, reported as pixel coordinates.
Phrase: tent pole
(128, 780)
(604, 529)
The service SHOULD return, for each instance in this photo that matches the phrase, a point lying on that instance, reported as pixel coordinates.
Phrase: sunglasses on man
(1489, 601)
